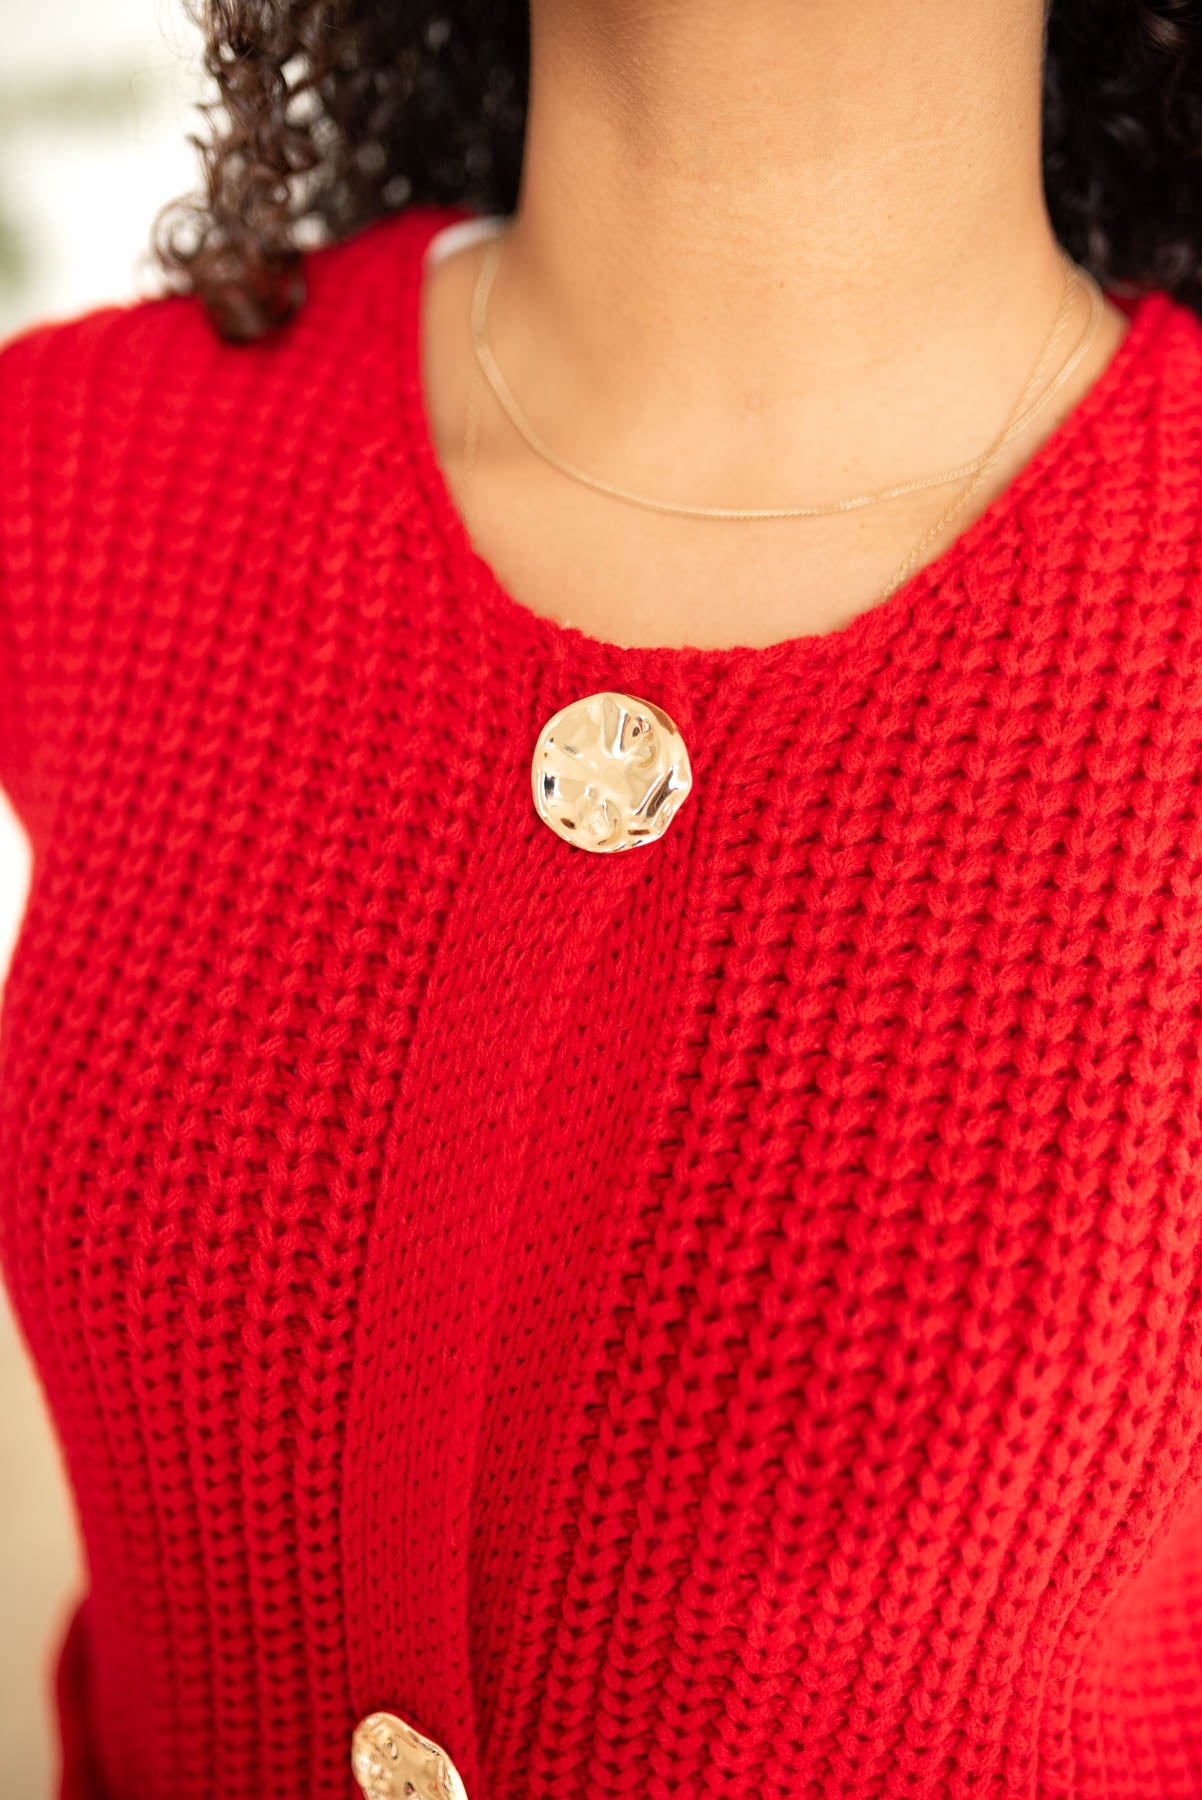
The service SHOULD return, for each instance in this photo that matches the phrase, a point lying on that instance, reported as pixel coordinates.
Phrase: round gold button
(391, 1760)
(609, 772)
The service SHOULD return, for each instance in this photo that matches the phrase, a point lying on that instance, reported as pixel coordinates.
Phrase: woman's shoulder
(118, 391)
(121, 392)
(344, 288)
(151, 467)
(101, 346)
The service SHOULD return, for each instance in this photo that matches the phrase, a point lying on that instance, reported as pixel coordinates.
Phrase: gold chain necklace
(1024, 410)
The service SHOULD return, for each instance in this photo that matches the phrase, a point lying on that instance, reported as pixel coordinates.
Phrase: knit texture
(724, 1318)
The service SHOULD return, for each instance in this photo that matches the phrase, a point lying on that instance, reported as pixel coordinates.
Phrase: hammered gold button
(609, 772)
(392, 1760)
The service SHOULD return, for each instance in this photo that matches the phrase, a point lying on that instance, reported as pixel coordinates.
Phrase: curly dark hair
(332, 113)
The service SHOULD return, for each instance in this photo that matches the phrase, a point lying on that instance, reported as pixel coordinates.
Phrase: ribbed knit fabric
(724, 1318)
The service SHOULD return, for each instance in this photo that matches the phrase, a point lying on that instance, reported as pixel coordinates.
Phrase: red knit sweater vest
(720, 1319)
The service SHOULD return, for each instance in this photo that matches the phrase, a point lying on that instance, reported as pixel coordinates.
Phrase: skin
(762, 256)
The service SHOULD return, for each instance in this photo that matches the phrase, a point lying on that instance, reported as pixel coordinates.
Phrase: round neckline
(517, 626)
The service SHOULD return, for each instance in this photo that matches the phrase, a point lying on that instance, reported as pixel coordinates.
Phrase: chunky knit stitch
(720, 1319)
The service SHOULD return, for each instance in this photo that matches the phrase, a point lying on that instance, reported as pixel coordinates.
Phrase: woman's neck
(763, 253)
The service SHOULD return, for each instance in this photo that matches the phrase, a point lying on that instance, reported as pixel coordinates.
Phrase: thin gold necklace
(1024, 410)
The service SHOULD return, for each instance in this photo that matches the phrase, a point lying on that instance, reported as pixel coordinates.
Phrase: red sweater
(721, 1318)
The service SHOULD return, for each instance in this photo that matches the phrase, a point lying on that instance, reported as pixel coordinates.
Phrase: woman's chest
(462, 1179)
(303, 981)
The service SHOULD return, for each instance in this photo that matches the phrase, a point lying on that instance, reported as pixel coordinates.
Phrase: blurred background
(97, 98)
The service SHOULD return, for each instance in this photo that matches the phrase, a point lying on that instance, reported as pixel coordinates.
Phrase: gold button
(609, 772)
(391, 1760)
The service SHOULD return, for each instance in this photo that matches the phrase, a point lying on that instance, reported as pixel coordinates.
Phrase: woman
(600, 1089)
